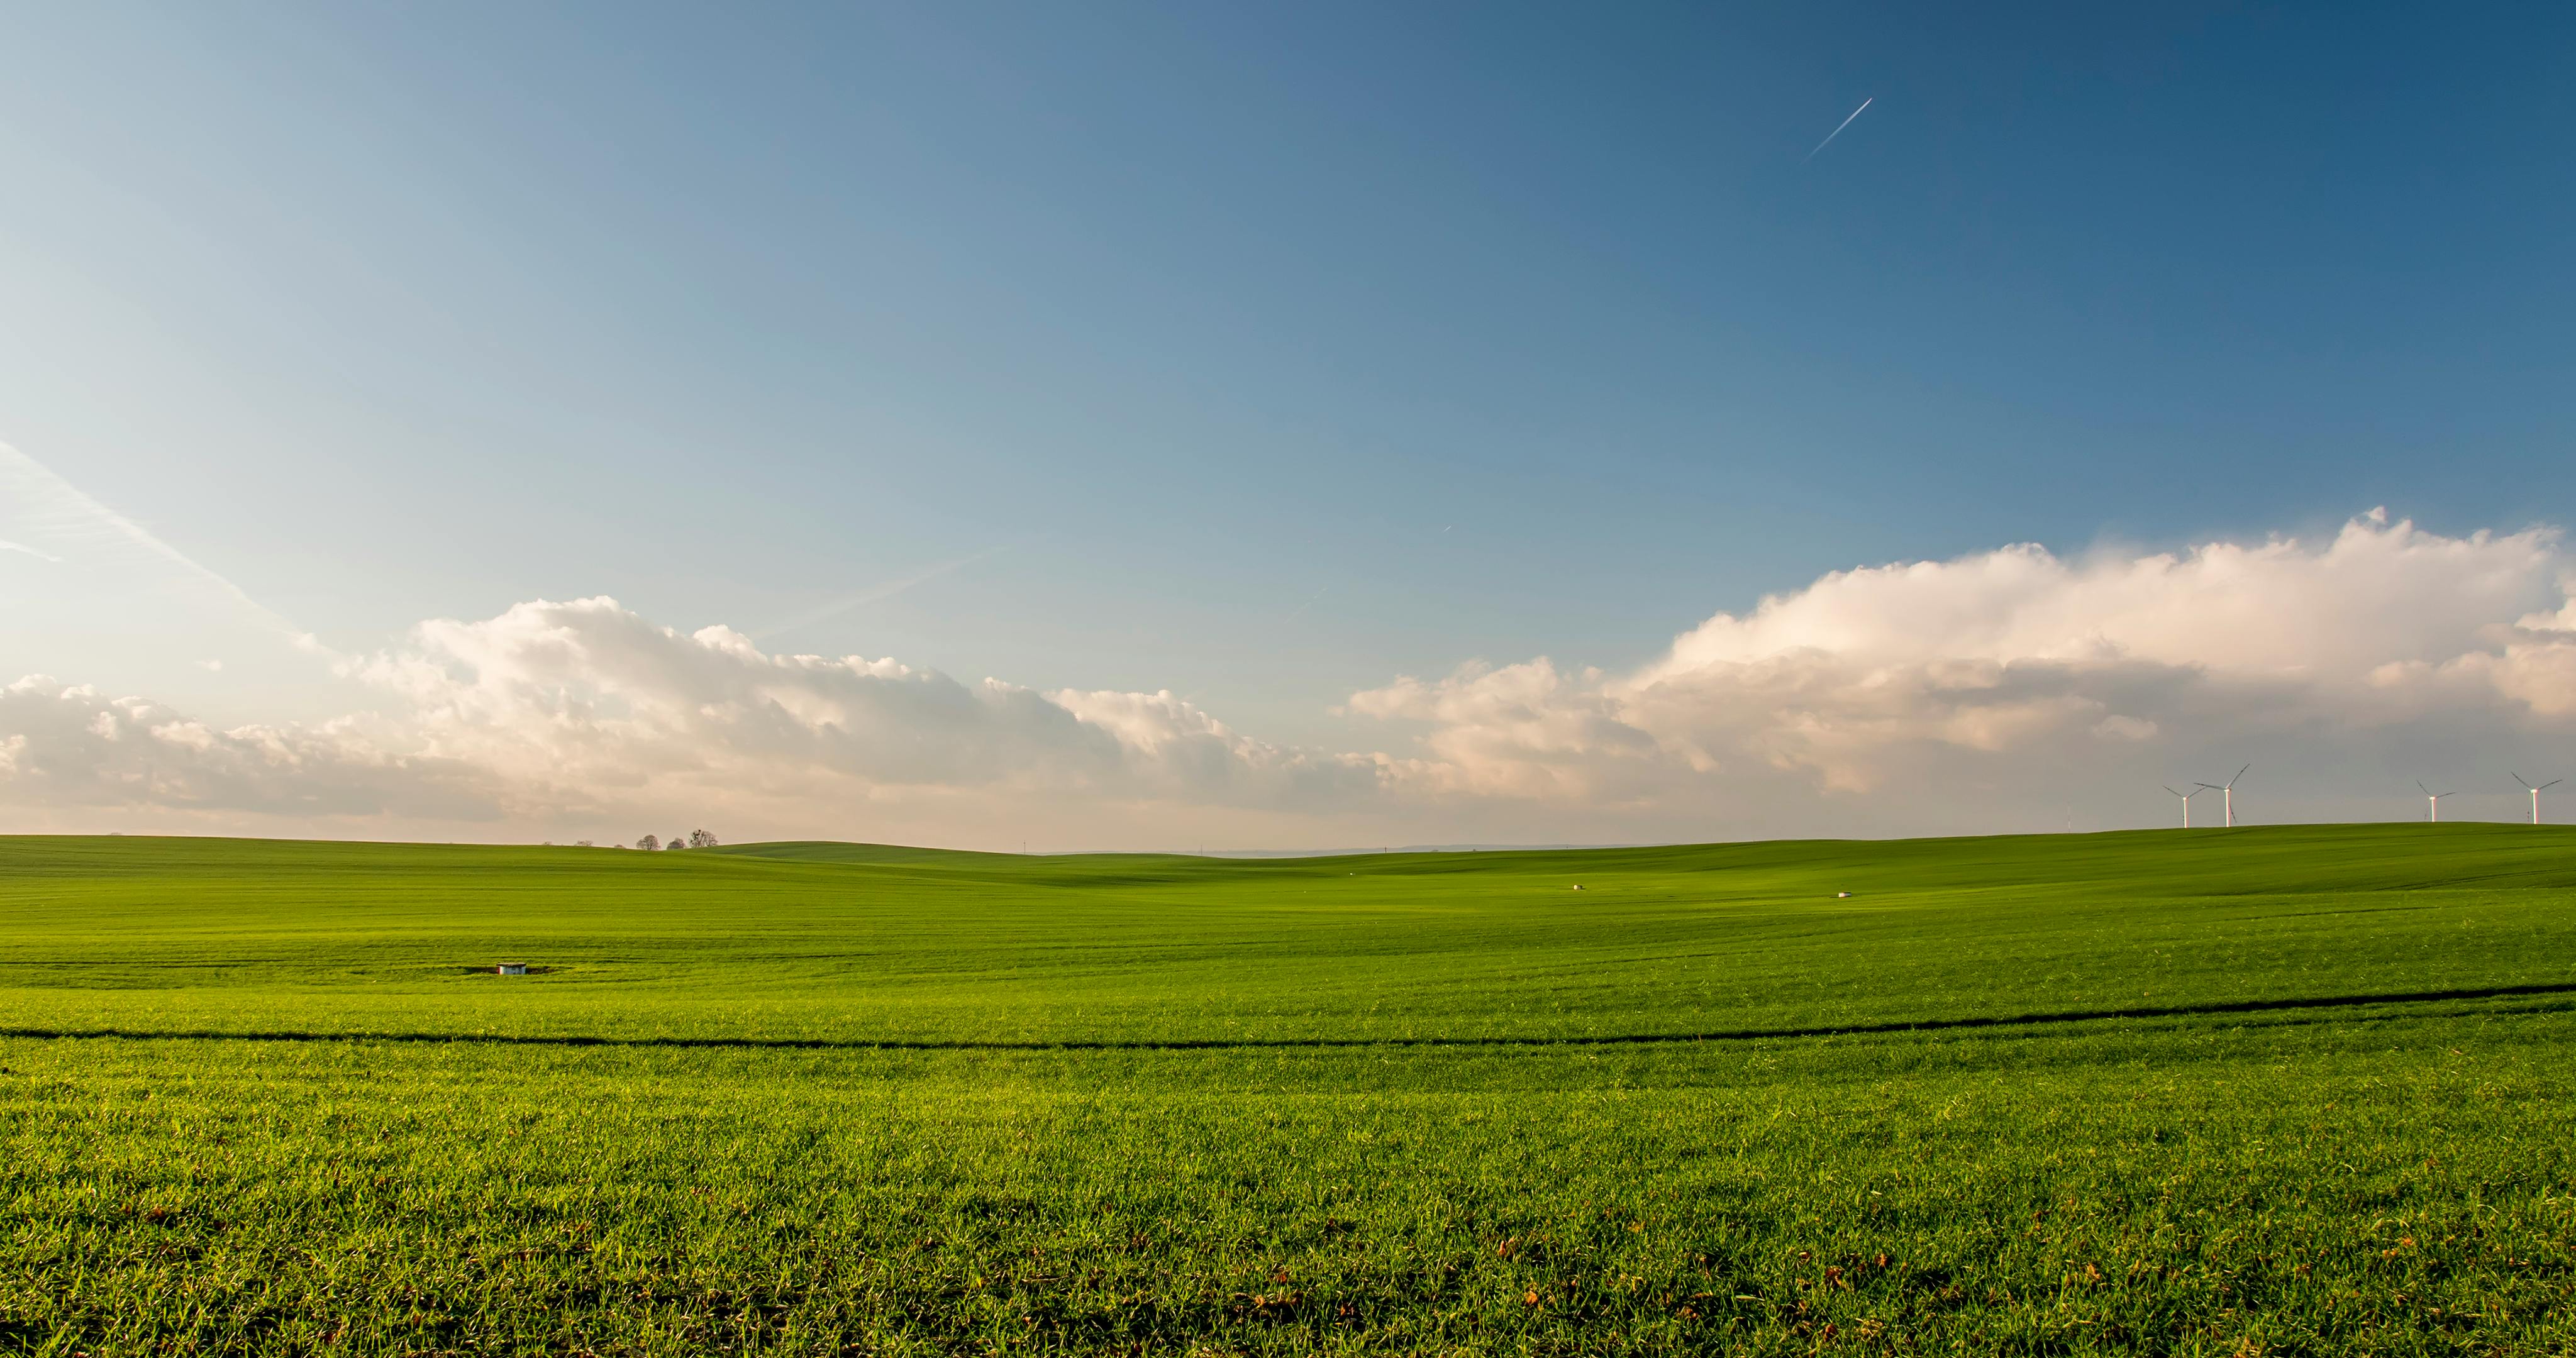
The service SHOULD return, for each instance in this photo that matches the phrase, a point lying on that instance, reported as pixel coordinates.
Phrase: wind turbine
(2228, 790)
(2432, 801)
(2186, 803)
(2535, 794)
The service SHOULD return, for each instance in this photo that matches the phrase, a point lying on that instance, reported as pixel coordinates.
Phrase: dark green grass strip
(1325, 1043)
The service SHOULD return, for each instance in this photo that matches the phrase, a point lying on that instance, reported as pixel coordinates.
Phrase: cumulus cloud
(587, 709)
(1916, 697)
(589, 694)
(2014, 659)
(68, 745)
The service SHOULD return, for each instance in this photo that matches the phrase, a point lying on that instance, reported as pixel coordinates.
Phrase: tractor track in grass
(1890, 1028)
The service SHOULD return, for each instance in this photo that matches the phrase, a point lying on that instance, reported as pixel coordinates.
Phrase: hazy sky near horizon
(1313, 425)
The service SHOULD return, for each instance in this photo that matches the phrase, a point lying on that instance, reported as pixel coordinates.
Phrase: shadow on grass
(1295, 1043)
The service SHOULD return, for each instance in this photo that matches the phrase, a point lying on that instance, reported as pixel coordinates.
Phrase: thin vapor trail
(874, 594)
(1838, 129)
(7, 546)
(62, 512)
(1310, 600)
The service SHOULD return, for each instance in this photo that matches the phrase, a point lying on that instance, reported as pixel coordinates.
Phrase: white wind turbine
(2534, 790)
(2432, 801)
(2228, 790)
(2186, 803)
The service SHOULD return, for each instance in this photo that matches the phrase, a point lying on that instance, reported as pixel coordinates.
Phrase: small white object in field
(1842, 895)
(1578, 886)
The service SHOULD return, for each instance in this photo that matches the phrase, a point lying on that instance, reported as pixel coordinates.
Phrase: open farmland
(2295, 1090)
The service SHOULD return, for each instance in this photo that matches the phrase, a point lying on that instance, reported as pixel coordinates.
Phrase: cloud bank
(585, 711)
(568, 700)
(2018, 665)
(1868, 701)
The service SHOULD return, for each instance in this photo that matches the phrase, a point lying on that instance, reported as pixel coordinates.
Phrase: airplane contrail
(1838, 130)
(873, 594)
(63, 515)
(1311, 598)
(7, 546)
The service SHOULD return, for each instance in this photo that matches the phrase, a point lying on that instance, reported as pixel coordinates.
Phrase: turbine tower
(2227, 790)
(2534, 790)
(2432, 801)
(2186, 802)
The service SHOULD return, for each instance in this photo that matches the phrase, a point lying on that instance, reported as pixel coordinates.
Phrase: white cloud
(65, 746)
(586, 709)
(588, 696)
(2016, 663)
(2376, 593)
(1914, 697)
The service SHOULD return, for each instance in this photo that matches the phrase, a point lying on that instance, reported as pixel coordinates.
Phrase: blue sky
(1257, 355)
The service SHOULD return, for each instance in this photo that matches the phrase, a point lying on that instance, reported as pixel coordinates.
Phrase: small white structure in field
(1842, 895)
(511, 969)
(1578, 886)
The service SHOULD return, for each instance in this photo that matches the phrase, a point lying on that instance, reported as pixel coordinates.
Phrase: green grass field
(2288, 1090)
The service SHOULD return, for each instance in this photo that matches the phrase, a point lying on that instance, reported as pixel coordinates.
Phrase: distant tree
(648, 842)
(700, 839)
(581, 844)
(678, 842)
